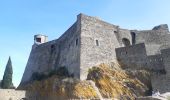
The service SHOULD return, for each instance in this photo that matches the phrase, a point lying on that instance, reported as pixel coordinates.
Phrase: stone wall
(63, 52)
(155, 62)
(162, 82)
(124, 34)
(11, 94)
(69, 49)
(40, 60)
(165, 41)
(166, 60)
(91, 41)
(98, 43)
(132, 56)
(154, 40)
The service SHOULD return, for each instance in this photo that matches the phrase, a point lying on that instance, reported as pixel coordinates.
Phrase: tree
(7, 78)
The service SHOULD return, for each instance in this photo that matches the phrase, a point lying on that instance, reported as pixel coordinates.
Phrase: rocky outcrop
(114, 82)
(62, 89)
(161, 27)
(143, 76)
(105, 81)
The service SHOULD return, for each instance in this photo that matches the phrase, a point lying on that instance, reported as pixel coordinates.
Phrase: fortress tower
(88, 42)
(91, 41)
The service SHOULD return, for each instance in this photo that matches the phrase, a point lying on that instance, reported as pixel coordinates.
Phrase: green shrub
(7, 78)
(38, 76)
(93, 69)
(61, 71)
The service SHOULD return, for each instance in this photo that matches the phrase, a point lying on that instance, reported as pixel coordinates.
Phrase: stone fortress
(91, 41)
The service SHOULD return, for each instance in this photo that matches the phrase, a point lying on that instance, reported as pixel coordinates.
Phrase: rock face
(61, 89)
(114, 82)
(161, 27)
(105, 81)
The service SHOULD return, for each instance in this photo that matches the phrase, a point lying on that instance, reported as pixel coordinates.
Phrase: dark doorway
(133, 38)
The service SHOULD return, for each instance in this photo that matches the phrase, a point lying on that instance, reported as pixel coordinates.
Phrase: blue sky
(20, 20)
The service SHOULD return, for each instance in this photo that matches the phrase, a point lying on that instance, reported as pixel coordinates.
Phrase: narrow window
(133, 37)
(161, 59)
(76, 42)
(97, 43)
(52, 48)
(38, 40)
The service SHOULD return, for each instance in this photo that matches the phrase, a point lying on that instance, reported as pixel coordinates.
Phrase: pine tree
(7, 78)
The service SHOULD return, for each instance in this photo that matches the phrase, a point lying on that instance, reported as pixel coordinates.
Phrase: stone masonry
(91, 41)
(11, 94)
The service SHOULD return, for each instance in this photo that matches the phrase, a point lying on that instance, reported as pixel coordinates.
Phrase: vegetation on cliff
(62, 72)
(59, 84)
(103, 81)
(62, 88)
(113, 82)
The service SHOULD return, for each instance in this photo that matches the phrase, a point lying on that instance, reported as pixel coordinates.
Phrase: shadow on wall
(133, 38)
(126, 42)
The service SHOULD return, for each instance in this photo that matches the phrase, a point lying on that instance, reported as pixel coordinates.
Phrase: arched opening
(133, 38)
(126, 42)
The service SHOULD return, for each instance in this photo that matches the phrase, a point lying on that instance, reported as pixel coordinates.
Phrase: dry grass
(111, 80)
(114, 83)
(56, 88)
(84, 91)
